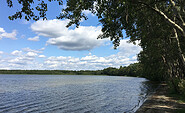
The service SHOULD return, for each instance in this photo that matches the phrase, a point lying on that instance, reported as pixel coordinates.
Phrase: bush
(181, 86)
(177, 86)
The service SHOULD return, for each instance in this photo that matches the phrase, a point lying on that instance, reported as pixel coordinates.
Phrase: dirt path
(159, 102)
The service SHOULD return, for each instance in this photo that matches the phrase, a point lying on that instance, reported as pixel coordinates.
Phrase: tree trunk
(181, 55)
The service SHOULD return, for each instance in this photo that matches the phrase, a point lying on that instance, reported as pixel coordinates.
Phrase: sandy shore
(159, 102)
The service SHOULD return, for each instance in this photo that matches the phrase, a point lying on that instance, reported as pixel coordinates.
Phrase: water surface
(71, 94)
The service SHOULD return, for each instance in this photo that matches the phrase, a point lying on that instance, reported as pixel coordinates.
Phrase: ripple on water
(102, 94)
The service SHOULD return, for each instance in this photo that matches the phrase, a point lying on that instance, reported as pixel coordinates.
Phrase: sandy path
(159, 102)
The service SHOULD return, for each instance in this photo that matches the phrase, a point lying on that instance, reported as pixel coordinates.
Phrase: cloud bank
(35, 59)
(77, 39)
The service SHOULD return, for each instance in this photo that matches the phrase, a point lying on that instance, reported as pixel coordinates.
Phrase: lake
(71, 93)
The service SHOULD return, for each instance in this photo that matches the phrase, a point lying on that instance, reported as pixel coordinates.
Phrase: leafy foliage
(28, 11)
(134, 70)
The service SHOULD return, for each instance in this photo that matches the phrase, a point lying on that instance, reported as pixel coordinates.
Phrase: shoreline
(160, 102)
(76, 75)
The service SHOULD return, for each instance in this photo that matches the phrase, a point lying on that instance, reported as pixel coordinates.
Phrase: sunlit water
(71, 94)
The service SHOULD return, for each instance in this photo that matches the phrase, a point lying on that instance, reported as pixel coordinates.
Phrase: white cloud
(69, 39)
(36, 38)
(20, 62)
(42, 49)
(1, 52)
(90, 62)
(28, 59)
(89, 58)
(2, 30)
(31, 50)
(41, 56)
(82, 38)
(21, 59)
(128, 49)
(31, 54)
(4, 34)
(16, 52)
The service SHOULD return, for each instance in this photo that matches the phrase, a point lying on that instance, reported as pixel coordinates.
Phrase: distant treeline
(50, 72)
(131, 70)
(134, 70)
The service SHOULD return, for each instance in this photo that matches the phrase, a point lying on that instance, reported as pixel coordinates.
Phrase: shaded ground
(160, 102)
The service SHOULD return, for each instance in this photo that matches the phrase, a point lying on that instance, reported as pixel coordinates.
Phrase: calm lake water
(71, 94)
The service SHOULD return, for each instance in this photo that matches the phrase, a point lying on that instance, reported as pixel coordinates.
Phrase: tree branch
(178, 12)
(179, 47)
(165, 17)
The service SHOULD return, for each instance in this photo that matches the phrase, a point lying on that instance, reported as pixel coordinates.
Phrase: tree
(110, 71)
(158, 24)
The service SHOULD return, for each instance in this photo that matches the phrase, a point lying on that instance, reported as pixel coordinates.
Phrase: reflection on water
(71, 94)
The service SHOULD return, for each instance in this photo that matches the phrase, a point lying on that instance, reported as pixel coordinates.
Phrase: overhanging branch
(155, 9)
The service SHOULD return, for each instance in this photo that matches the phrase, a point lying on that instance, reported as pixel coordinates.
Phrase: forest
(133, 70)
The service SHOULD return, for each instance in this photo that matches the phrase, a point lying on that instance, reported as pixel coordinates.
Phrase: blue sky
(50, 45)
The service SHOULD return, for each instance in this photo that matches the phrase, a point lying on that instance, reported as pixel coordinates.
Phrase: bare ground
(159, 102)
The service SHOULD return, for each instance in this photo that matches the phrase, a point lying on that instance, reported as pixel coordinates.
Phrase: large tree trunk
(181, 55)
